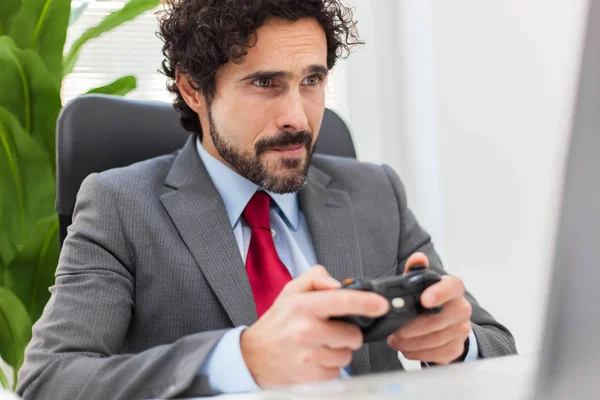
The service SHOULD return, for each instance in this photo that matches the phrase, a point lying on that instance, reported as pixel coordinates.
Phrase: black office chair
(99, 132)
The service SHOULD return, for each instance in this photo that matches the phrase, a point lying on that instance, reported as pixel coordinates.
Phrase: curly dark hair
(201, 35)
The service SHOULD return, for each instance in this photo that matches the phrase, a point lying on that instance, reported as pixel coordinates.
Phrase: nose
(292, 116)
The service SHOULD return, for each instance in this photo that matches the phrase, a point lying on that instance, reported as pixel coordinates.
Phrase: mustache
(283, 139)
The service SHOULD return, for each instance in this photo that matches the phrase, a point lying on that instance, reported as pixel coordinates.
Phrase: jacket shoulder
(351, 174)
(138, 178)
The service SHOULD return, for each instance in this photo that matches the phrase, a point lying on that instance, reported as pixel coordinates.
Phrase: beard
(252, 167)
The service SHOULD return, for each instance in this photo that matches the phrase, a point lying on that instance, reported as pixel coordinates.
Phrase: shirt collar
(236, 191)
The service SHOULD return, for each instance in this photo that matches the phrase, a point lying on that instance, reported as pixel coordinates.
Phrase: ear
(193, 98)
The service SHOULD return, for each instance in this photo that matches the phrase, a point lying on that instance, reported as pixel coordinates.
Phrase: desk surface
(501, 378)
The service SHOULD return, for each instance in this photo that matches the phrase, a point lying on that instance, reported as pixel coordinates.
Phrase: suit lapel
(201, 219)
(330, 219)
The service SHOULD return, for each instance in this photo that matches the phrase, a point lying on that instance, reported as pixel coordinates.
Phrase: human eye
(313, 80)
(263, 82)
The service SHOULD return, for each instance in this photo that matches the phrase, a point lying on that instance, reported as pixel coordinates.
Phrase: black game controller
(404, 294)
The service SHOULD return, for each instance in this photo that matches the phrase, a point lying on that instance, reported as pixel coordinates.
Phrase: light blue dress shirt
(225, 366)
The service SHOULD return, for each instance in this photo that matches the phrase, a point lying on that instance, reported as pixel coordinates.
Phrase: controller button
(347, 281)
(398, 302)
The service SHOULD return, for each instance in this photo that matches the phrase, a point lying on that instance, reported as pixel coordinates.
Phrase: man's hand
(437, 338)
(296, 342)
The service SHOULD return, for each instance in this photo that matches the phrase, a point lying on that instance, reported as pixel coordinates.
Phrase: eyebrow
(275, 74)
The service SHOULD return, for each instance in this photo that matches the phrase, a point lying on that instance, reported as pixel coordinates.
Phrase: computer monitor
(570, 363)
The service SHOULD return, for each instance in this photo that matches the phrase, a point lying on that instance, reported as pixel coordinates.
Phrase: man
(195, 273)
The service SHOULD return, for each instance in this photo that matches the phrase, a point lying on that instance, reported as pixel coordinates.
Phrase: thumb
(316, 278)
(415, 260)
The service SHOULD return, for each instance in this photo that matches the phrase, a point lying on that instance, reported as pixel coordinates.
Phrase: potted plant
(33, 65)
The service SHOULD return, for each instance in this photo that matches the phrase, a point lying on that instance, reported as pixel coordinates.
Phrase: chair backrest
(99, 132)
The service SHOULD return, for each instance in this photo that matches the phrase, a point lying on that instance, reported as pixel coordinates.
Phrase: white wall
(470, 101)
(371, 89)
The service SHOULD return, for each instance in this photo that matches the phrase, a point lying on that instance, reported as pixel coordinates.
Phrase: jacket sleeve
(493, 339)
(75, 349)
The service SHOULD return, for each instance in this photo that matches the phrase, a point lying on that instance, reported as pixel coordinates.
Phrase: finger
(455, 312)
(449, 288)
(316, 278)
(416, 259)
(440, 355)
(431, 340)
(326, 357)
(330, 333)
(339, 335)
(336, 358)
(338, 303)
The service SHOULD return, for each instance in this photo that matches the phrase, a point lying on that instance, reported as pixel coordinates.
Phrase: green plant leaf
(26, 180)
(41, 25)
(7, 249)
(8, 9)
(31, 271)
(129, 11)
(119, 87)
(3, 380)
(7, 253)
(28, 93)
(15, 328)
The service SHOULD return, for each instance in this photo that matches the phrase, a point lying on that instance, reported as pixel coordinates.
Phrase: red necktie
(266, 273)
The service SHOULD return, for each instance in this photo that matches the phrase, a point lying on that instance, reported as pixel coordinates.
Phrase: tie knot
(256, 212)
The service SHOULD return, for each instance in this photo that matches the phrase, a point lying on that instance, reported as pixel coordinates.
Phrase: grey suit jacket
(150, 276)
